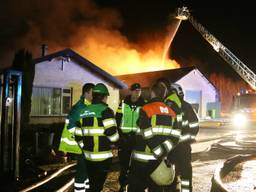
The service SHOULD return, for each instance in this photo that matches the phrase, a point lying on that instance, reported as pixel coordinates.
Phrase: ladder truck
(244, 108)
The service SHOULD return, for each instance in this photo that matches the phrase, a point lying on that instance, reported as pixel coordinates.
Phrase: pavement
(242, 177)
(214, 123)
(204, 165)
(208, 134)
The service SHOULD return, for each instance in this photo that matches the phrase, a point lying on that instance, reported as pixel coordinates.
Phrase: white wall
(70, 74)
(195, 81)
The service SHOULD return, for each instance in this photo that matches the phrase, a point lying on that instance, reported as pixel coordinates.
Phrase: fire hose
(246, 147)
(47, 179)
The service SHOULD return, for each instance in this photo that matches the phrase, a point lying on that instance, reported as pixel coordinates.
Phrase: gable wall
(195, 81)
(56, 73)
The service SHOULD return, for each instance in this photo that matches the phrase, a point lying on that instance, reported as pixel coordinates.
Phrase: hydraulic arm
(247, 74)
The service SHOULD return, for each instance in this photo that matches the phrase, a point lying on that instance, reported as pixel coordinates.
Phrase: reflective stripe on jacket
(190, 126)
(186, 116)
(97, 130)
(68, 143)
(128, 113)
(158, 133)
(129, 119)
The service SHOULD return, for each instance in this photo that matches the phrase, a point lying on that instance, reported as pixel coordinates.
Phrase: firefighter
(97, 132)
(190, 128)
(156, 137)
(126, 117)
(68, 143)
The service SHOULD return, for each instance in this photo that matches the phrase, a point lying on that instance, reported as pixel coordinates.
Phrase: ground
(216, 142)
(206, 158)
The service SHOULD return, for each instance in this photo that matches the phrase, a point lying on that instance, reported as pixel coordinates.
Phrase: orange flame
(114, 53)
(94, 32)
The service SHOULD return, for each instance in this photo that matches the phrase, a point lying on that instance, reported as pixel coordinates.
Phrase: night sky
(232, 22)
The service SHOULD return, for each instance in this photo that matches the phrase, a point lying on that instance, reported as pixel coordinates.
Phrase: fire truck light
(239, 120)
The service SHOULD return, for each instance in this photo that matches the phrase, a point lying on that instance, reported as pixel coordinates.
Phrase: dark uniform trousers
(97, 172)
(182, 152)
(139, 178)
(125, 115)
(181, 156)
(155, 119)
(124, 153)
(81, 170)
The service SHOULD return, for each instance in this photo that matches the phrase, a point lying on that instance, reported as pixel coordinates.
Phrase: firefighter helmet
(178, 89)
(101, 89)
(163, 175)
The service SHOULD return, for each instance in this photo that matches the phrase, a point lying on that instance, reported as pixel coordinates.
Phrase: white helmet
(178, 89)
(163, 175)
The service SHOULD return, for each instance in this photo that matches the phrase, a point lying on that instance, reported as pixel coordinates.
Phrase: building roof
(84, 62)
(146, 79)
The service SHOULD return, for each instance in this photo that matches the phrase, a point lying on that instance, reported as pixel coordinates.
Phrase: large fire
(114, 53)
(93, 31)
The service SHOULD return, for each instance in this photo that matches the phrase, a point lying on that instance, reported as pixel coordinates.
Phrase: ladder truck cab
(244, 108)
(244, 103)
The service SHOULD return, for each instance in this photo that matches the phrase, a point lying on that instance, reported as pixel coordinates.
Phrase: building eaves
(86, 63)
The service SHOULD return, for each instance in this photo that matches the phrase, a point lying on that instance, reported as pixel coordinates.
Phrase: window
(66, 100)
(50, 101)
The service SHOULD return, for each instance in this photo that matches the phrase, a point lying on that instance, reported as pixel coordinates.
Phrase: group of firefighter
(153, 139)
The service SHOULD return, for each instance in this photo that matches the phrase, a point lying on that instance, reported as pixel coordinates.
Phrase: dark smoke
(29, 23)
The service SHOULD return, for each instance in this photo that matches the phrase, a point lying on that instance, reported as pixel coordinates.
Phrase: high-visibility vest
(174, 98)
(129, 118)
(176, 106)
(68, 143)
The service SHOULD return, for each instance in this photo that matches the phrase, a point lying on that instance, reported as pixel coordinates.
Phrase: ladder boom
(245, 72)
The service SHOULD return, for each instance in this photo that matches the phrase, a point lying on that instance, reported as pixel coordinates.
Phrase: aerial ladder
(244, 105)
(245, 73)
